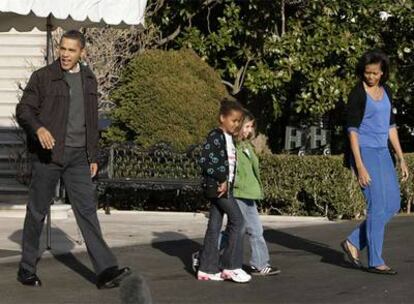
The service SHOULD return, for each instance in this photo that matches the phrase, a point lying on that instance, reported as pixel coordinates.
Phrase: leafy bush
(148, 200)
(407, 188)
(318, 185)
(167, 96)
(311, 185)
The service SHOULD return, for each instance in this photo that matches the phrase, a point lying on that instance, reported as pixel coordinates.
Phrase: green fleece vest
(247, 183)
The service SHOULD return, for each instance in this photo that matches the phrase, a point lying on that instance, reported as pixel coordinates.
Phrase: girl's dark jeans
(232, 256)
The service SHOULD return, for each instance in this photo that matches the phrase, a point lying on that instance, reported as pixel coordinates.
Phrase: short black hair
(228, 105)
(76, 35)
(372, 57)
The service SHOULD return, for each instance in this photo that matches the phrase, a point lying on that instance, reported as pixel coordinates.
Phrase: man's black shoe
(112, 277)
(27, 278)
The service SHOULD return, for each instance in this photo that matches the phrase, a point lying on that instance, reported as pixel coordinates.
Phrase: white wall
(20, 54)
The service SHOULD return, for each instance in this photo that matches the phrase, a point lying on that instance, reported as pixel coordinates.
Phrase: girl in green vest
(247, 190)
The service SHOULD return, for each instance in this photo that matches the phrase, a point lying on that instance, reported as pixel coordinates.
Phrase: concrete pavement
(159, 246)
(123, 228)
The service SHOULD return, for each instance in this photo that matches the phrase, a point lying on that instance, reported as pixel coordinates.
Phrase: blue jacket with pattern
(214, 162)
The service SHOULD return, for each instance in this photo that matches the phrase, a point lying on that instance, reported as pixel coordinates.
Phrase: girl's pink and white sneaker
(204, 276)
(236, 275)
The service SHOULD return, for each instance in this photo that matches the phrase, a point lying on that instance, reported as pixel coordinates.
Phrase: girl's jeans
(232, 256)
(254, 229)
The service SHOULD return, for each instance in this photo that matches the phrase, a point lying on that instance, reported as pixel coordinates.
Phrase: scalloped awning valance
(24, 15)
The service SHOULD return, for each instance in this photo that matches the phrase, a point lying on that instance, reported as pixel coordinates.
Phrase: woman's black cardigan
(357, 101)
(355, 110)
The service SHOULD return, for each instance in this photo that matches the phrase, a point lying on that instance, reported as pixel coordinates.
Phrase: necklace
(375, 92)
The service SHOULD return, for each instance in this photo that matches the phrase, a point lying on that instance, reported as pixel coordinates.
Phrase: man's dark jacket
(45, 103)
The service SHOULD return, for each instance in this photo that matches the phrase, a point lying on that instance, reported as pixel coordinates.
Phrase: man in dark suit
(59, 113)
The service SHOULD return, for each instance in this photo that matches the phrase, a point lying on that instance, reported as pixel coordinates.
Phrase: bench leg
(49, 230)
(107, 203)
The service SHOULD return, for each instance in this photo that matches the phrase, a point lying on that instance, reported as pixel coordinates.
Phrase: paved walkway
(159, 247)
(126, 228)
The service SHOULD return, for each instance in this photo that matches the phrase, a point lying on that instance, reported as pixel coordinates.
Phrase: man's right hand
(45, 137)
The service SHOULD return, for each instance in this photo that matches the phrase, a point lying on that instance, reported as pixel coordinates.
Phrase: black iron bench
(158, 168)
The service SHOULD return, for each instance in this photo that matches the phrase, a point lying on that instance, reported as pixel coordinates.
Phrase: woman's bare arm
(395, 142)
(363, 176)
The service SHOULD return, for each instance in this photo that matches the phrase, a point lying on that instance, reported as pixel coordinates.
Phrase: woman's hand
(404, 170)
(363, 177)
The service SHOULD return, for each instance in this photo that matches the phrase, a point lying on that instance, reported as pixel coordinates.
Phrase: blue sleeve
(352, 129)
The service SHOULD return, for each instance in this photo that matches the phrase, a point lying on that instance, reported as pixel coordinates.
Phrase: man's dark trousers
(81, 191)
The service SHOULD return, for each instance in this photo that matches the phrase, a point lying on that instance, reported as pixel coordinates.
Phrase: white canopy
(24, 15)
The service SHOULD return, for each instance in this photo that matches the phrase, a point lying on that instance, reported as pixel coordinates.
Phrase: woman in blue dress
(371, 125)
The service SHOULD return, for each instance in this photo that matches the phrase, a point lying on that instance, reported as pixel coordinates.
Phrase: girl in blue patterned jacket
(218, 163)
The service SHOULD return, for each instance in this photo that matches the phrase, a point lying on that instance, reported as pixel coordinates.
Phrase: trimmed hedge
(318, 185)
(165, 96)
(407, 188)
(310, 185)
(293, 185)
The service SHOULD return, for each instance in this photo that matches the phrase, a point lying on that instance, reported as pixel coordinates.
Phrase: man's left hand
(94, 169)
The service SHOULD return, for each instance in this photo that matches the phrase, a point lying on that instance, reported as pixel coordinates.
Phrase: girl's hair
(247, 117)
(228, 105)
(372, 57)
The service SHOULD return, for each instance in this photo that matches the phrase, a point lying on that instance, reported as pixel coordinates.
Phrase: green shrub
(407, 188)
(148, 200)
(310, 185)
(318, 185)
(165, 96)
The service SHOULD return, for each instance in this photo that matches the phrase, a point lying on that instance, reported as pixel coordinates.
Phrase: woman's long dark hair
(373, 57)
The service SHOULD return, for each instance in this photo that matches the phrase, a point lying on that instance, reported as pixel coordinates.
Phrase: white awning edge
(24, 15)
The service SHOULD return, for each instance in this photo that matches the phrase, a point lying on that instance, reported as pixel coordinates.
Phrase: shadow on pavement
(61, 247)
(182, 248)
(70, 261)
(327, 254)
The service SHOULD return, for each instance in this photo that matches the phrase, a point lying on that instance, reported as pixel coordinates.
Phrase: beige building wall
(20, 54)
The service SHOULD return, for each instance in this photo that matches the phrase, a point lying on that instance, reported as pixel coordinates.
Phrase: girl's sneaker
(266, 271)
(236, 275)
(204, 276)
(195, 261)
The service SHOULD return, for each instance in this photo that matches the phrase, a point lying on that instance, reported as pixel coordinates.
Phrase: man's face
(70, 52)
